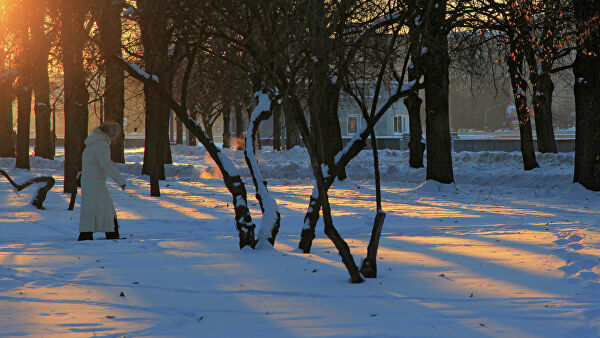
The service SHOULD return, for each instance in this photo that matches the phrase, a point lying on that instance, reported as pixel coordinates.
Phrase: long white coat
(97, 209)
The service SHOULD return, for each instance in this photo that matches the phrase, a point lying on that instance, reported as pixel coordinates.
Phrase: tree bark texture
(76, 95)
(543, 88)
(413, 101)
(44, 142)
(7, 136)
(153, 28)
(435, 69)
(324, 119)
(519, 88)
(323, 93)
(587, 94)
(179, 131)
(23, 89)
(292, 134)
(109, 24)
(276, 127)
(23, 120)
(239, 127)
(368, 267)
(227, 127)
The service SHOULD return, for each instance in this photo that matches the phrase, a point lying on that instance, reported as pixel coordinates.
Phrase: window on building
(399, 123)
(353, 124)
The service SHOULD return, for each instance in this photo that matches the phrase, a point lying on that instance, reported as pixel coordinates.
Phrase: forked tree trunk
(44, 142)
(72, 16)
(543, 88)
(324, 119)
(587, 94)
(322, 196)
(231, 176)
(435, 69)
(519, 88)
(323, 91)
(109, 24)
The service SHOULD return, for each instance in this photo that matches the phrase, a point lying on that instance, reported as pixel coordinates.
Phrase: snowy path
(489, 259)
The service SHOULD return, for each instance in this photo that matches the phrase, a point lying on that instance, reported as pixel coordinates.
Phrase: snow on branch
(138, 71)
(270, 219)
(386, 19)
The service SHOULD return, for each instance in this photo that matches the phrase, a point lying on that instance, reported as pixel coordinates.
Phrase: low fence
(401, 143)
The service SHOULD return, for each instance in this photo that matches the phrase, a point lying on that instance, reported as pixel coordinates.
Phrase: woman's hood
(96, 136)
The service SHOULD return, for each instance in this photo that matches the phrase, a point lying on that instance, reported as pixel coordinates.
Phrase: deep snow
(502, 253)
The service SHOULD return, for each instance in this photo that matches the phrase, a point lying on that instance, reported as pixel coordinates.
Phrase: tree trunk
(109, 24)
(7, 137)
(226, 126)
(23, 120)
(542, 107)
(179, 137)
(292, 135)
(587, 95)
(324, 119)
(153, 29)
(276, 127)
(435, 69)
(413, 101)
(323, 92)
(44, 143)
(239, 127)
(368, 267)
(519, 88)
(76, 95)
(271, 218)
(543, 87)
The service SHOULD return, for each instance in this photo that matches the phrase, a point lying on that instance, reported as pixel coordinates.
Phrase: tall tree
(23, 87)
(587, 94)
(109, 24)
(44, 142)
(7, 137)
(436, 75)
(413, 101)
(155, 41)
(8, 74)
(74, 36)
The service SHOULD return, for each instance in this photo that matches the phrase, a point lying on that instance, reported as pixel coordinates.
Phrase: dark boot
(114, 234)
(85, 236)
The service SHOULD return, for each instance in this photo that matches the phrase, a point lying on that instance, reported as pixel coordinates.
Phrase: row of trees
(292, 60)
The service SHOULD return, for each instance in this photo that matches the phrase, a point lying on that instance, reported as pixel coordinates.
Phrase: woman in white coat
(97, 209)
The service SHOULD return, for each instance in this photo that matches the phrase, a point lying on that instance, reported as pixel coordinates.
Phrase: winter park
(293, 168)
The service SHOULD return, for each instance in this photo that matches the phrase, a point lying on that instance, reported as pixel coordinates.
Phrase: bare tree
(41, 43)
(587, 94)
(108, 16)
(72, 18)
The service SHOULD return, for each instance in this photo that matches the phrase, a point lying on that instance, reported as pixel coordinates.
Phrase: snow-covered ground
(504, 253)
